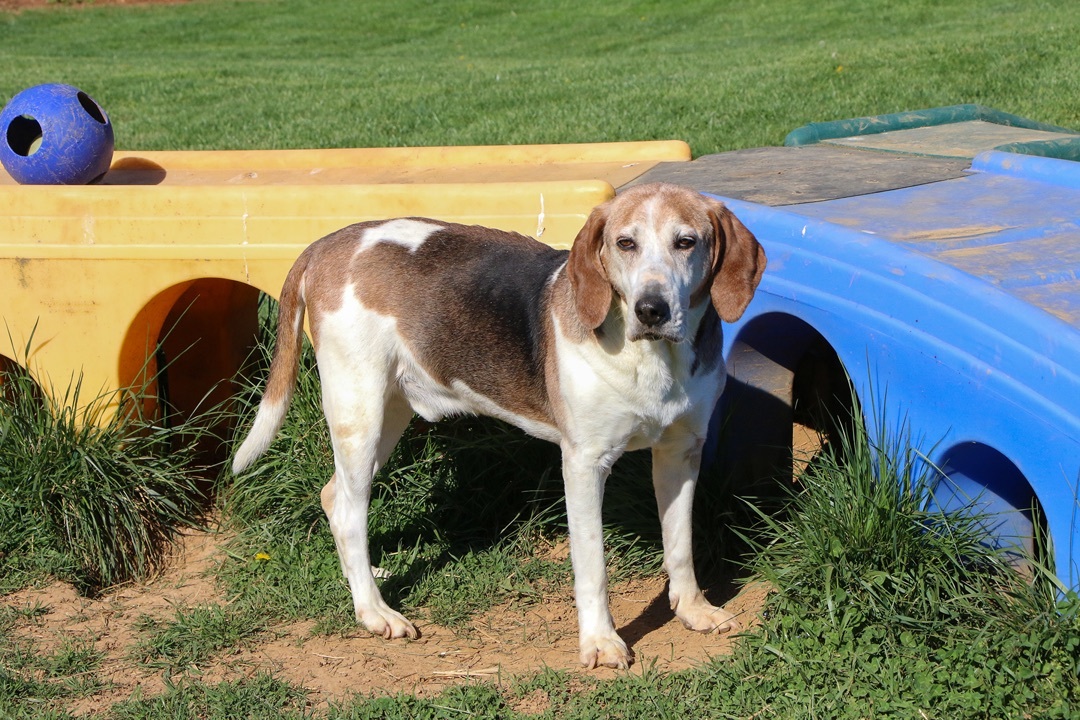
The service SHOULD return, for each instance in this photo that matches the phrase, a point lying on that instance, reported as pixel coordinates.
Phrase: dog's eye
(685, 242)
(626, 243)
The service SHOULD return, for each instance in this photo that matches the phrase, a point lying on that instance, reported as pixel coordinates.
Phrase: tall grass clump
(884, 605)
(93, 492)
(864, 540)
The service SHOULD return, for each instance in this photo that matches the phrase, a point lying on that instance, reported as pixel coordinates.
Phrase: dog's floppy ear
(588, 279)
(738, 262)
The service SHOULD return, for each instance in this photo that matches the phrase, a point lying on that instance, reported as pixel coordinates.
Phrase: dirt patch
(109, 622)
(511, 640)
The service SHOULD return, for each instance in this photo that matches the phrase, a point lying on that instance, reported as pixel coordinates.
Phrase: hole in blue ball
(24, 135)
(91, 108)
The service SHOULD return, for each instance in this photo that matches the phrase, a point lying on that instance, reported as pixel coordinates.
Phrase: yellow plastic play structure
(163, 260)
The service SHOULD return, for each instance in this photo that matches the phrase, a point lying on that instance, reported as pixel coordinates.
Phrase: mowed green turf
(721, 75)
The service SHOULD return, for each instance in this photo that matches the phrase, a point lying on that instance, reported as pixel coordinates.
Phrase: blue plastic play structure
(942, 276)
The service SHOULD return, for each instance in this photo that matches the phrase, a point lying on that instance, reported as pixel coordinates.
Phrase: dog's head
(662, 250)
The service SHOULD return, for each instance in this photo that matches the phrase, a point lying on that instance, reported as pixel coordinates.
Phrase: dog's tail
(283, 369)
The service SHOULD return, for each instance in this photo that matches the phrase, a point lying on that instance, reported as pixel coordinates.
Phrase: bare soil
(511, 640)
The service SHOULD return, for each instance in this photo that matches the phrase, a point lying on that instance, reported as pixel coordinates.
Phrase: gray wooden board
(790, 175)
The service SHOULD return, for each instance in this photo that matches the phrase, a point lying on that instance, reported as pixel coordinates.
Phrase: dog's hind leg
(366, 417)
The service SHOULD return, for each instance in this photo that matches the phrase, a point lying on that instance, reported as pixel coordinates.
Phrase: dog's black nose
(652, 310)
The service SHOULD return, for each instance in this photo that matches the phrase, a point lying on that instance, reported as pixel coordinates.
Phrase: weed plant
(194, 635)
(91, 491)
(28, 676)
(882, 607)
(261, 696)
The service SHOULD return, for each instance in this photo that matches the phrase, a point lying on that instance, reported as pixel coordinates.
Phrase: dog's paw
(605, 651)
(702, 616)
(386, 622)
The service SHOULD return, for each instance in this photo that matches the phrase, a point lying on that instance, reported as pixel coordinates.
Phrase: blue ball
(55, 135)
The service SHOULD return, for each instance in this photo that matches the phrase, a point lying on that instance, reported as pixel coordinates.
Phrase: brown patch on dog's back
(471, 304)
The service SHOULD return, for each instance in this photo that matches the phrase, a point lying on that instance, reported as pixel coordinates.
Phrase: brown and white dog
(611, 347)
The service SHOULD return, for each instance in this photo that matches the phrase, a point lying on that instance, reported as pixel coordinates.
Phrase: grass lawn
(721, 75)
(880, 609)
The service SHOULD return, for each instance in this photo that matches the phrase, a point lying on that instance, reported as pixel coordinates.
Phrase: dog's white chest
(632, 396)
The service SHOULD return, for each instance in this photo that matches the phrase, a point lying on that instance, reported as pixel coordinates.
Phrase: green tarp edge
(818, 132)
(1063, 149)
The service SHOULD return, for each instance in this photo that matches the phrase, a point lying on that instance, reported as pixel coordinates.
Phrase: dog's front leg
(676, 461)
(584, 475)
